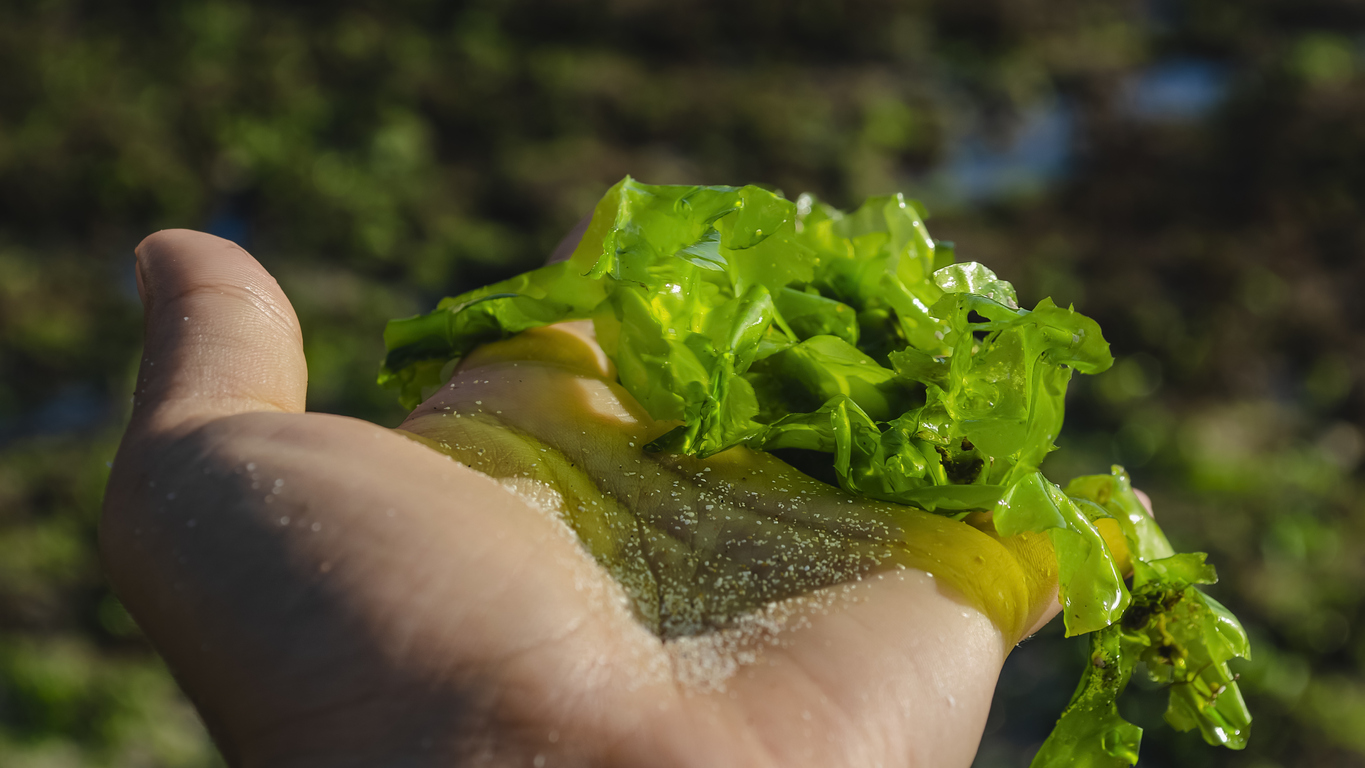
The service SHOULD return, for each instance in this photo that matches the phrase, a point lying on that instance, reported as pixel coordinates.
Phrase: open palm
(331, 592)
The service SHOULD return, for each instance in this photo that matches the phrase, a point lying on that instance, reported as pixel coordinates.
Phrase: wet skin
(331, 592)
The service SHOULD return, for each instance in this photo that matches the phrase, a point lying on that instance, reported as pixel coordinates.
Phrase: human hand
(331, 592)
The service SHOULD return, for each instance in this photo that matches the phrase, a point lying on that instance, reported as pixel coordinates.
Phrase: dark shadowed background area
(1188, 173)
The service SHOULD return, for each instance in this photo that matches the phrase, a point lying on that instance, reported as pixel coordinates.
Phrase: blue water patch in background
(1178, 90)
(982, 166)
(1035, 152)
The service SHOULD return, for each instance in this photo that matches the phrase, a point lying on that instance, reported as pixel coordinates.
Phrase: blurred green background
(1188, 173)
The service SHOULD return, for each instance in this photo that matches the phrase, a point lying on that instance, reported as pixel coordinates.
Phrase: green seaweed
(759, 321)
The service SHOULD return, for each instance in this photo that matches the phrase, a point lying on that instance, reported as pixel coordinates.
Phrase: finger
(221, 338)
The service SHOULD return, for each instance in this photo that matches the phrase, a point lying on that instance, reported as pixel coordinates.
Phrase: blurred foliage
(1188, 173)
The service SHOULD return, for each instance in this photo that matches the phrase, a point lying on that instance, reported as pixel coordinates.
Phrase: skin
(331, 592)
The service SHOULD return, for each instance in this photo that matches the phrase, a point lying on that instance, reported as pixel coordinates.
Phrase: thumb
(220, 336)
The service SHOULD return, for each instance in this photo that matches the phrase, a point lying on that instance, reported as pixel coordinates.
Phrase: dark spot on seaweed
(963, 471)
